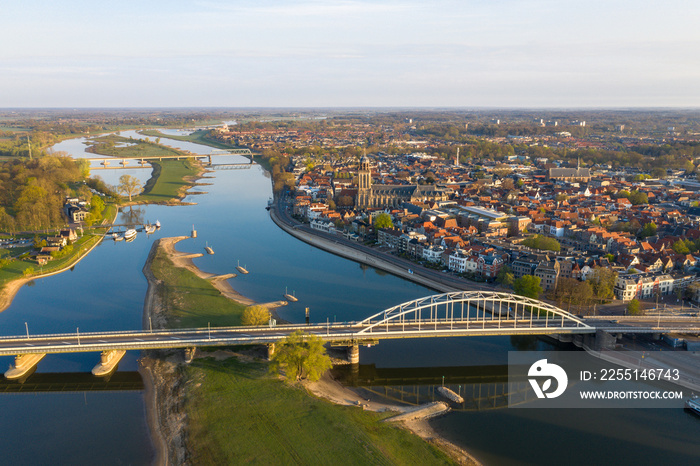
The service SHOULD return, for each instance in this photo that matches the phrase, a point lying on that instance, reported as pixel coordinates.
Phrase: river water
(106, 290)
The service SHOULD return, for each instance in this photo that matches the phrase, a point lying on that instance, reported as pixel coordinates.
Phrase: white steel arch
(473, 307)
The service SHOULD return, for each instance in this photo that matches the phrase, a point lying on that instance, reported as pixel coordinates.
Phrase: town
(592, 231)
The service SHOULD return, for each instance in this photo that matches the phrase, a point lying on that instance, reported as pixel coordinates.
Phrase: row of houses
(647, 286)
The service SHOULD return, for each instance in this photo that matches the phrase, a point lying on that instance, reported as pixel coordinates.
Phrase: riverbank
(363, 255)
(170, 388)
(11, 288)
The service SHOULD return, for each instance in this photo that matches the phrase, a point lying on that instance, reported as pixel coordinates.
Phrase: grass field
(240, 414)
(192, 301)
(168, 181)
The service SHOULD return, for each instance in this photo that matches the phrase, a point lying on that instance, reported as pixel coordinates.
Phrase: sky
(355, 53)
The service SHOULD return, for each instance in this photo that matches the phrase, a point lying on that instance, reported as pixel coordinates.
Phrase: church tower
(364, 184)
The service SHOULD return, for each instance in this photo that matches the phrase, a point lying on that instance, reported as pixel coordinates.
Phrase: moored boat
(150, 229)
(241, 268)
(157, 223)
(130, 234)
(290, 297)
(208, 249)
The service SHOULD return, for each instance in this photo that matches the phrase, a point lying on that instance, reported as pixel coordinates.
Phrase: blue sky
(311, 53)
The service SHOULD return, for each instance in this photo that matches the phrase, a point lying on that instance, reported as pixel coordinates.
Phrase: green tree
(505, 276)
(301, 355)
(383, 221)
(658, 172)
(638, 197)
(634, 308)
(649, 229)
(542, 242)
(528, 286)
(129, 186)
(255, 315)
(679, 247)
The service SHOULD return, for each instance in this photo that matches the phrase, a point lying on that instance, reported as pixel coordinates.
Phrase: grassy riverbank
(170, 180)
(190, 300)
(16, 269)
(170, 177)
(238, 413)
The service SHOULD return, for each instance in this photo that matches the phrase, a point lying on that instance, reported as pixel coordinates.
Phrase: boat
(290, 297)
(241, 269)
(130, 234)
(150, 229)
(115, 236)
(119, 238)
(693, 404)
(208, 249)
(157, 223)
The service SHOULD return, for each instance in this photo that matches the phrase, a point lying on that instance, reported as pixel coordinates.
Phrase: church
(384, 195)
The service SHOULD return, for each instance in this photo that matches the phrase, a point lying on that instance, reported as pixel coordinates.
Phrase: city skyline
(507, 54)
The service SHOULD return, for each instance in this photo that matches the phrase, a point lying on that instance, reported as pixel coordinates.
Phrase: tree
(301, 355)
(658, 172)
(255, 315)
(508, 184)
(129, 186)
(542, 242)
(505, 276)
(570, 292)
(679, 247)
(603, 282)
(638, 197)
(649, 229)
(383, 221)
(634, 308)
(528, 286)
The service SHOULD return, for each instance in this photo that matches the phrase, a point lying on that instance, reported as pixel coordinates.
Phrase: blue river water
(106, 291)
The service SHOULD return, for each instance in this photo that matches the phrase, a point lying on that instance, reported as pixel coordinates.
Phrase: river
(106, 290)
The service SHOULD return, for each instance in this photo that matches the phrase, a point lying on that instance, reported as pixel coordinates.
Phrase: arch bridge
(455, 314)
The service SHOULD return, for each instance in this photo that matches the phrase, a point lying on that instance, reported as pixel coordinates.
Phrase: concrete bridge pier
(23, 364)
(354, 354)
(108, 362)
(270, 351)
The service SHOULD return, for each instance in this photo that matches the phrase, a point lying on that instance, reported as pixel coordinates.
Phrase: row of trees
(569, 292)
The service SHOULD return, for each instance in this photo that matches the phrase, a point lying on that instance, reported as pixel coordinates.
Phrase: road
(340, 333)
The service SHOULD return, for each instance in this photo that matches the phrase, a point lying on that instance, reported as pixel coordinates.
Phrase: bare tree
(129, 186)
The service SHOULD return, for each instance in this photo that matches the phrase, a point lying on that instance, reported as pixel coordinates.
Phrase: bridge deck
(338, 333)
